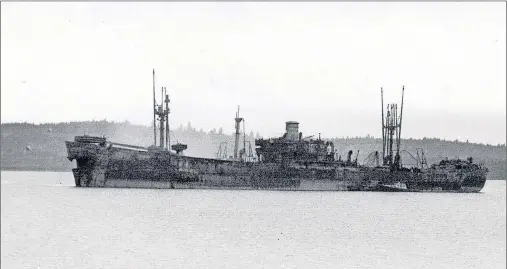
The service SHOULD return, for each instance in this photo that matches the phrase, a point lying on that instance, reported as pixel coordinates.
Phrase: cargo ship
(288, 163)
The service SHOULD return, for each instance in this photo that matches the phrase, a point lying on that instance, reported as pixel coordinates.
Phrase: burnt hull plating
(114, 166)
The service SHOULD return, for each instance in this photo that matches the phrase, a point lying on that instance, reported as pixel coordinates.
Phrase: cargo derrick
(236, 137)
(241, 155)
(163, 118)
(161, 115)
(391, 133)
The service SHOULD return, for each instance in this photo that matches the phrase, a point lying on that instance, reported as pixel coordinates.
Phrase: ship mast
(391, 133)
(383, 133)
(236, 139)
(161, 118)
(167, 135)
(391, 126)
(244, 140)
(154, 113)
(401, 117)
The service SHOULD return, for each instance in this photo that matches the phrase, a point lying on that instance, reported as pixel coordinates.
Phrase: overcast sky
(321, 64)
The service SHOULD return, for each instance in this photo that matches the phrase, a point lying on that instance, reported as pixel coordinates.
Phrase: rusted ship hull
(123, 166)
(290, 163)
(306, 185)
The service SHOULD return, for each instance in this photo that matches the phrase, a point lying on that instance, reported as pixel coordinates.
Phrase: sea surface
(49, 223)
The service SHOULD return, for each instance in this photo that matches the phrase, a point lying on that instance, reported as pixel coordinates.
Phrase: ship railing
(89, 139)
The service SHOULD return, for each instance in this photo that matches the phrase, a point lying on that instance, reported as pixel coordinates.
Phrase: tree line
(27, 146)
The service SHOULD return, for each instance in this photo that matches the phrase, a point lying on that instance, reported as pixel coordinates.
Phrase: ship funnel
(292, 130)
(349, 156)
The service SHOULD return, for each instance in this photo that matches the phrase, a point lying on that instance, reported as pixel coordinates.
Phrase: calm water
(48, 223)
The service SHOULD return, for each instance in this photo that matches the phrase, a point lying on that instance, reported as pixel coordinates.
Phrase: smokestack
(292, 130)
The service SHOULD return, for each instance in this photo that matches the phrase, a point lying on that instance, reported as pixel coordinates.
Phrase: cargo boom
(290, 162)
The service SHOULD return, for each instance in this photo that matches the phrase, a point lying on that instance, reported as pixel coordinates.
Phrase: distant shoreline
(30, 147)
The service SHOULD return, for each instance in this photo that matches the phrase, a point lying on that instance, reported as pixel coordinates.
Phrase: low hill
(26, 146)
